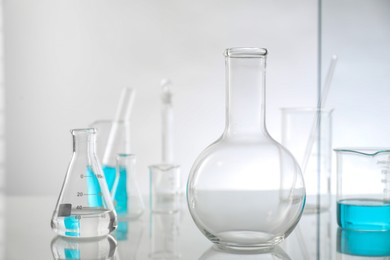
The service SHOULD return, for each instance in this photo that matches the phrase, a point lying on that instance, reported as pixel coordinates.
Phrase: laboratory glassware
(358, 245)
(164, 188)
(307, 134)
(84, 208)
(245, 190)
(363, 188)
(120, 145)
(114, 138)
(131, 203)
(64, 248)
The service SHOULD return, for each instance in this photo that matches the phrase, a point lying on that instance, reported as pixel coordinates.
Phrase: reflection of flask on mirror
(129, 235)
(275, 253)
(84, 208)
(64, 248)
(164, 235)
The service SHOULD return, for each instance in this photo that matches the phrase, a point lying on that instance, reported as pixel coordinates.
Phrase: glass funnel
(245, 190)
(84, 208)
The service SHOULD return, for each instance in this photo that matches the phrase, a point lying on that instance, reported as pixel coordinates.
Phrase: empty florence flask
(245, 190)
(84, 208)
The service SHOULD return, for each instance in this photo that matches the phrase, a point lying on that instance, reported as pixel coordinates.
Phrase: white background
(66, 62)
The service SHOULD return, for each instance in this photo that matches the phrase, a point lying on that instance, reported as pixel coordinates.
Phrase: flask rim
(83, 131)
(246, 52)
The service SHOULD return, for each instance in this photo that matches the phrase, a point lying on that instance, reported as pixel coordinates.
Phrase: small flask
(84, 208)
(131, 203)
(245, 190)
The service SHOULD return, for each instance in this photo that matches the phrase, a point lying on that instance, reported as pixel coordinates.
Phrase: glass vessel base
(85, 223)
(249, 240)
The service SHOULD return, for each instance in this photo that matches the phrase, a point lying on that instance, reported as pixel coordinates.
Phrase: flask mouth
(246, 52)
(83, 131)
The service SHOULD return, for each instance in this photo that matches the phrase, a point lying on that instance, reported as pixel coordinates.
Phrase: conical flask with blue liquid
(84, 208)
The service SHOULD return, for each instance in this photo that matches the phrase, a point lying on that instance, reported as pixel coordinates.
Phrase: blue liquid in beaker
(120, 199)
(363, 214)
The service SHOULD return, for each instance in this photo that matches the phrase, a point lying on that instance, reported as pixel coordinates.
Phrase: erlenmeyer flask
(245, 190)
(132, 205)
(84, 208)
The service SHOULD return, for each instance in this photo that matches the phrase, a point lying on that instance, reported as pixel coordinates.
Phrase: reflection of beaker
(129, 234)
(311, 239)
(352, 244)
(84, 208)
(84, 249)
(312, 149)
(363, 189)
(120, 143)
(164, 188)
(164, 235)
(273, 253)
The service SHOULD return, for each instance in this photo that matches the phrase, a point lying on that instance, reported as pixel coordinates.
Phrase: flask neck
(84, 141)
(245, 99)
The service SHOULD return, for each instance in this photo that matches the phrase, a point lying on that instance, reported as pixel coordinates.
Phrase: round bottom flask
(245, 191)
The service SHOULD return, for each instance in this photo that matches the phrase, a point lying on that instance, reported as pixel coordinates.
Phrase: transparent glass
(164, 188)
(84, 208)
(245, 190)
(132, 205)
(114, 138)
(86, 249)
(363, 188)
(307, 134)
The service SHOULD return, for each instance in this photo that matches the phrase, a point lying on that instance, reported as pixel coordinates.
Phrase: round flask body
(245, 194)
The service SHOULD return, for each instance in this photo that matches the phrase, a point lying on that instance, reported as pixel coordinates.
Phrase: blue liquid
(363, 243)
(120, 199)
(93, 188)
(72, 223)
(122, 230)
(71, 253)
(363, 214)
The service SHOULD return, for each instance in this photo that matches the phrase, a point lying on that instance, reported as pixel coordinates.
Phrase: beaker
(164, 188)
(245, 190)
(363, 188)
(84, 208)
(307, 134)
(129, 200)
(117, 143)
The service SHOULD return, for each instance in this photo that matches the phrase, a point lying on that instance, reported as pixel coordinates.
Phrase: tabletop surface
(28, 235)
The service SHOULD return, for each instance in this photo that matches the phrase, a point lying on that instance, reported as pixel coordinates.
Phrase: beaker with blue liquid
(363, 188)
